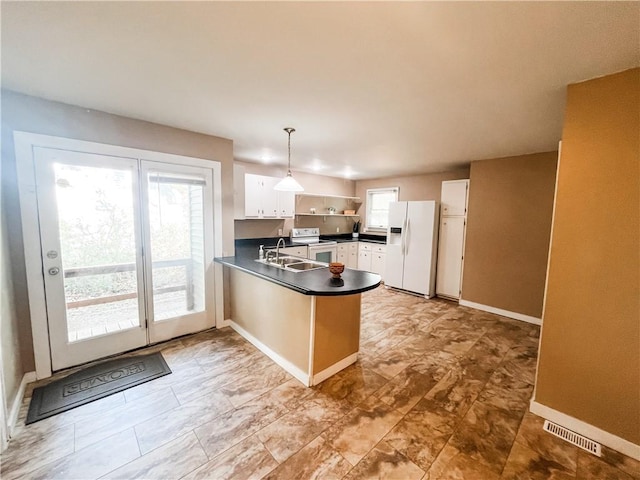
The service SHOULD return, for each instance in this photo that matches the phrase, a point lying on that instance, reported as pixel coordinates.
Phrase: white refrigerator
(412, 247)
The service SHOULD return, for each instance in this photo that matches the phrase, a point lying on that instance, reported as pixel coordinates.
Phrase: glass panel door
(178, 209)
(91, 248)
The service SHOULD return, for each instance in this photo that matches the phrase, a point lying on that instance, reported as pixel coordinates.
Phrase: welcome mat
(93, 383)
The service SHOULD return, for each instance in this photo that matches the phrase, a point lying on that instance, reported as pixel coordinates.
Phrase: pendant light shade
(288, 183)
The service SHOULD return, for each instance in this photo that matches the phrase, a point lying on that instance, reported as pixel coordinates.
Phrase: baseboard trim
(17, 401)
(296, 372)
(594, 433)
(499, 311)
(335, 368)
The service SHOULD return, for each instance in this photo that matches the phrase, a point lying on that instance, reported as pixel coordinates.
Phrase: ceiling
(373, 89)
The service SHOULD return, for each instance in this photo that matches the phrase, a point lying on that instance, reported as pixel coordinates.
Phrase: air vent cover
(574, 438)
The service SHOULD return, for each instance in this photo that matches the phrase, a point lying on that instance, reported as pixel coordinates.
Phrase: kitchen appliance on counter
(411, 247)
(319, 250)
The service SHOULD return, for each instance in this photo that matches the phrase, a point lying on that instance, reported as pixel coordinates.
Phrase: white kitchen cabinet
(238, 192)
(262, 201)
(286, 203)
(295, 251)
(348, 254)
(378, 259)
(451, 241)
(353, 255)
(453, 198)
(371, 257)
(364, 256)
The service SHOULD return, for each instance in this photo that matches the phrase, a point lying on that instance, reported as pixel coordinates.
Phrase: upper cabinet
(454, 197)
(318, 204)
(258, 199)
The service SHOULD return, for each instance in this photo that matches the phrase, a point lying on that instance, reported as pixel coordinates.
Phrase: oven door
(323, 253)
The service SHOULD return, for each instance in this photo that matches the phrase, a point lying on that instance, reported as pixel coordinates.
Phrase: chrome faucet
(278, 249)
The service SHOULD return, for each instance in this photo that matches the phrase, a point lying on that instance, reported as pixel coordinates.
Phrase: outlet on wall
(280, 232)
(337, 229)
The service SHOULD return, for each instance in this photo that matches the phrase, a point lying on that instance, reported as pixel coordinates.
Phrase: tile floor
(439, 392)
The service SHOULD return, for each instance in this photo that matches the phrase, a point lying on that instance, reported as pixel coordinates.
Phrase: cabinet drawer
(380, 249)
(364, 247)
(295, 251)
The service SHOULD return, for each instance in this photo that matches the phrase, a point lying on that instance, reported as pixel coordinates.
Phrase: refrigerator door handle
(406, 238)
(404, 235)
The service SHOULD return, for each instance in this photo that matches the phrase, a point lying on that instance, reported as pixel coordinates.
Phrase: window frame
(370, 193)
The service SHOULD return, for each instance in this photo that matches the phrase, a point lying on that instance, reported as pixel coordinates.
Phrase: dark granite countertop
(313, 282)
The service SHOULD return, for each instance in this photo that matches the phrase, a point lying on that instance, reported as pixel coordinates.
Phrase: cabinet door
(377, 263)
(450, 251)
(253, 187)
(269, 197)
(352, 260)
(454, 197)
(286, 204)
(343, 257)
(364, 260)
(295, 251)
(238, 192)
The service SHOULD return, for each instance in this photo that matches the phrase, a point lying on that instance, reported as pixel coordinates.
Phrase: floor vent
(572, 437)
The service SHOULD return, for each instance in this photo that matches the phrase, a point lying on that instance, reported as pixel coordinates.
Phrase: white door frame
(24, 151)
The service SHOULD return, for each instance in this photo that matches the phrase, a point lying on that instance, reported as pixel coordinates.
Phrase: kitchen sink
(293, 264)
(302, 266)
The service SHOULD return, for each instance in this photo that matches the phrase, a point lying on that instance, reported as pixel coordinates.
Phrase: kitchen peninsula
(304, 321)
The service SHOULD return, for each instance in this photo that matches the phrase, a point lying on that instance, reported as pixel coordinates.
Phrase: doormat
(93, 383)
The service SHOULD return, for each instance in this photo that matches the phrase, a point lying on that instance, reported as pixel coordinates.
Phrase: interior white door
(88, 207)
(178, 212)
(450, 252)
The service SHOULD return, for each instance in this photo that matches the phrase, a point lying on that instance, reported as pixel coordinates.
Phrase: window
(378, 200)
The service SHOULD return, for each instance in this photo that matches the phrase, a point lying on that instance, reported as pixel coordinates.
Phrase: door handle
(54, 271)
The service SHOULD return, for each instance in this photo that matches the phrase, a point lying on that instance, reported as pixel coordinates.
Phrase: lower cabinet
(295, 251)
(371, 257)
(348, 254)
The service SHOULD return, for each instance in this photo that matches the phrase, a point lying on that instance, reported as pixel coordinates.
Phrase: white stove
(308, 236)
(320, 250)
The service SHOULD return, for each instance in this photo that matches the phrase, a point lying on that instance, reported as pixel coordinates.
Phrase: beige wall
(31, 114)
(11, 357)
(312, 184)
(415, 187)
(275, 315)
(590, 347)
(508, 231)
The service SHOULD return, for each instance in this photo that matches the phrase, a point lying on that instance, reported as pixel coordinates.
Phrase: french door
(126, 248)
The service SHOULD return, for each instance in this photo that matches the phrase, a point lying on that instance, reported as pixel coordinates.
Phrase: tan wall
(415, 187)
(590, 347)
(312, 184)
(508, 232)
(277, 316)
(31, 114)
(337, 330)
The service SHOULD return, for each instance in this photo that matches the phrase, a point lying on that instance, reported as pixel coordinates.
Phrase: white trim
(546, 278)
(24, 145)
(333, 369)
(296, 372)
(17, 401)
(4, 424)
(583, 428)
(504, 313)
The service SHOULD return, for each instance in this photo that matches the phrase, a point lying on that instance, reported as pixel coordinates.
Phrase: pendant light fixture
(288, 183)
